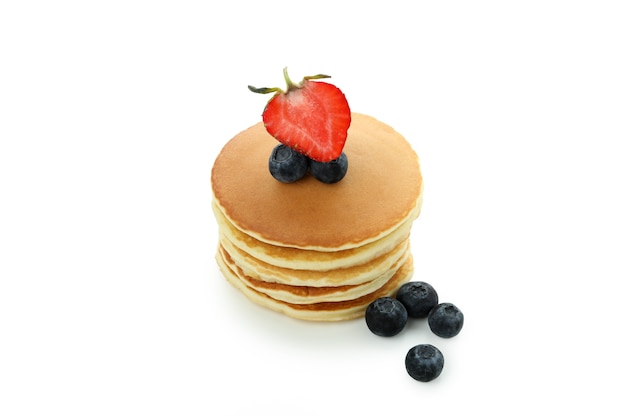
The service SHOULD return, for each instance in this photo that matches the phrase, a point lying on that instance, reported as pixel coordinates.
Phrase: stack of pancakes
(311, 250)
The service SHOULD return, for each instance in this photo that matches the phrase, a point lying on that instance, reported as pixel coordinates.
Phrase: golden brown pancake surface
(381, 189)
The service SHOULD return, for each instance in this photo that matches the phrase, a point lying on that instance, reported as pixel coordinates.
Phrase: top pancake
(380, 190)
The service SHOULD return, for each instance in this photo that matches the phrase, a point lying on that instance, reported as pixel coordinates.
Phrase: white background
(111, 114)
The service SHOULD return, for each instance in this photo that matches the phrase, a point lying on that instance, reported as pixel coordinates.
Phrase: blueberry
(287, 165)
(445, 320)
(330, 172)
(424, 362)
(386, 316)
(418, 298)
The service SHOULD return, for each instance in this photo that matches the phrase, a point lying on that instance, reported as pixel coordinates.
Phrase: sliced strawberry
(312, 117)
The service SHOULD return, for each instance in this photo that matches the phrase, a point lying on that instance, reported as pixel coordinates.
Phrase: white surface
(111, 114)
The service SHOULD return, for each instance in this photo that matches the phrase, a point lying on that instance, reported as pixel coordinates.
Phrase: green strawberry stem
(290, 84)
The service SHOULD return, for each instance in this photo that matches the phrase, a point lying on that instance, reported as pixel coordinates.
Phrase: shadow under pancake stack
(311, 250)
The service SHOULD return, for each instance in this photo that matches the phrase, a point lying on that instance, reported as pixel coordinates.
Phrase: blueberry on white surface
(418, 297)
(330, 172)
(287, 165)
(386, 316)
(424, 362)
(445, 320)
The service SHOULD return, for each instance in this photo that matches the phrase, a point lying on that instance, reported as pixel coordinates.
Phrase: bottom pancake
(325, 311)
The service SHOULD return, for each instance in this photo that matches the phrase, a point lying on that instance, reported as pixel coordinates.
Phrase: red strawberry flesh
(312, 119)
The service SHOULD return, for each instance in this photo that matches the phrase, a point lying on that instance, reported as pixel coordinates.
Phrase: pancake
(325, 311)
(338, 290)
(353, 275)
(296, 258)
(379, 192)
